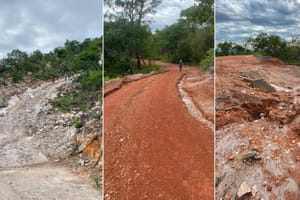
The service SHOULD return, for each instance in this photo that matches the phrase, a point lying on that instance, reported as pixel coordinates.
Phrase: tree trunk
(143, 62)
(138, 59)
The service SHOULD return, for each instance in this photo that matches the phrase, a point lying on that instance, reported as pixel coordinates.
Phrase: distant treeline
(130, 44)
(264, 45)
(72, 58)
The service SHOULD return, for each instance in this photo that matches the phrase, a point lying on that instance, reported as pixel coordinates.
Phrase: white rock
(3, 112)
(243, 190)
(254, 190)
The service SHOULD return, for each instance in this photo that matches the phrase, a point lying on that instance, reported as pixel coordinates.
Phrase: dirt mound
(257, 130)
(271, 61)
(249, 59)
(200, 87)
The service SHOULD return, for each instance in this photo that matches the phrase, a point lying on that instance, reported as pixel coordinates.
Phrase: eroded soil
(35, 144)
(154, 148)
(257, 137)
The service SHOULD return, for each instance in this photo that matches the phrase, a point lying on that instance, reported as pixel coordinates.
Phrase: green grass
(97, 181)
(208, 61)
(164, 58)
(71, 101)
(107, 78)
(148, 68)
(63, 103)
(78, 123)
(144, 70)
(97, 117)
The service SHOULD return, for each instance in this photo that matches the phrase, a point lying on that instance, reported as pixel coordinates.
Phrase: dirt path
(154, 149)
(25, 170)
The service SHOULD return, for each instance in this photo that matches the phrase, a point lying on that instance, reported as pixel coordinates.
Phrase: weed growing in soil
(97, 181)
(149, 68)
(78, 123)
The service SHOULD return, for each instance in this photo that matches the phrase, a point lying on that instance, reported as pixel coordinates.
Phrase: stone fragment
(269, 188)
(244, 190)
(254, 190)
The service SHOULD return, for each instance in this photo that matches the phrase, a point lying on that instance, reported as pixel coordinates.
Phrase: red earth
(257, 131)
(154, 149)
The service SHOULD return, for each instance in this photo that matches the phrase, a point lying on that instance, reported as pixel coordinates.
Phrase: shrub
(149, 68)
(16, 75)
(78, 123)
(64, 103)
(76, 100)
(208, 61)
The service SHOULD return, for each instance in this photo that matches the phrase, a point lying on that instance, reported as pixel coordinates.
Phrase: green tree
(269, 45)
(208, 61)
(134, 12)
(72, 57)
(202, 13)
(191, 36)
(124, 41)
(225, 47)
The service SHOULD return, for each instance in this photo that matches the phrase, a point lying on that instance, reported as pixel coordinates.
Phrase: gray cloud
(168, 12)
(237, 20)
(44, 25)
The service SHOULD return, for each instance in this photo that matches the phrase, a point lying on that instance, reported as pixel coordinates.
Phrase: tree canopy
(265, 45)
(129, 41)
(72, 57)
(191, 36)
(134, 11)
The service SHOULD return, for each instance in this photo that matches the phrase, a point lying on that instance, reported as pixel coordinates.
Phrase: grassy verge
(208, 61)
(149, 68)
(144, 70)
(75, 101)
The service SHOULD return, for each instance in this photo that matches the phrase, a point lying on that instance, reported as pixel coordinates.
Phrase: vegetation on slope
(77, 59)
(264, 45)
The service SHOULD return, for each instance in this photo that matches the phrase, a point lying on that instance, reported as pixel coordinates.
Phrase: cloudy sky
(46, 24)
(168, 12)
(237, 20)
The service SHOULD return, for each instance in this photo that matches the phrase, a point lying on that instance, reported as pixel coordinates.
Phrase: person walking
(180, 64)
(65, 76)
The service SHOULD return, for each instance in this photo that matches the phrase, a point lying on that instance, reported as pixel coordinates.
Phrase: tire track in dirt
(154, 149)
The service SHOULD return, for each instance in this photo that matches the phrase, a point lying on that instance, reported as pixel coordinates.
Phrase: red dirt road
(154, 149)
